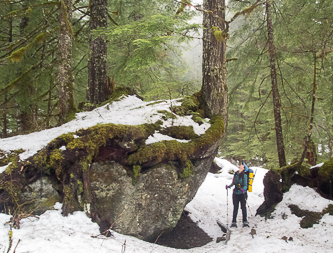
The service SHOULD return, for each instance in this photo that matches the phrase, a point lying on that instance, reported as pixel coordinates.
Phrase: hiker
(239, 194)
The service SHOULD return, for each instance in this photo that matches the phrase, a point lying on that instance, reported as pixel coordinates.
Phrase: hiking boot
(233, 225)
(246, 224)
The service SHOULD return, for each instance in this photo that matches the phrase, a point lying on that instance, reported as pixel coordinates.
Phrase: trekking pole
(227, 208)
(248, 206)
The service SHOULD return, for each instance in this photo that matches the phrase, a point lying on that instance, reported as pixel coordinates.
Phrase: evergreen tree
(275, 90)
(294, 23)
(97, 91)
(214, 83)
(144, 47)
(65, 78)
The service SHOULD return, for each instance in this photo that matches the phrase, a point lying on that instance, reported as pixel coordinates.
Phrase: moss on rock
(187, 171)
(326, 171)
(180, 132)
(174, 150)
(328, 209)
(167, 115)
(297, 211)
(136, 173)
(310, 219)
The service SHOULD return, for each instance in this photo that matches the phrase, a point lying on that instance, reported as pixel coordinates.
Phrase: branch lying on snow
(227, 233)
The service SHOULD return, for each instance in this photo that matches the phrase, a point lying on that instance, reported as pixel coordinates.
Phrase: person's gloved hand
(242, 190)
(227, 187)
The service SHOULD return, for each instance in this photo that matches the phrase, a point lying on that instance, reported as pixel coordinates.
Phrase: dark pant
(236, 198)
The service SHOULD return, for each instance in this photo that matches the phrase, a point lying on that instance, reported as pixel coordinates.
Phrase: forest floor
(185, 235)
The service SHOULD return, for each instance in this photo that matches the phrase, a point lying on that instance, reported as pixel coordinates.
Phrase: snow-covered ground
(51, 232)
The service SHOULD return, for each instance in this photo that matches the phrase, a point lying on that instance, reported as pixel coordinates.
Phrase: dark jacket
(240, 182)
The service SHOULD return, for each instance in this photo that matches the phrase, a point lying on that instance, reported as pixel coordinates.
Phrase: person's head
(241, 168)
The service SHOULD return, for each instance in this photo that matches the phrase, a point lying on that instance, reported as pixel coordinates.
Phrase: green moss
(49, 203)
(62, 140)
(197, 118)
(310, 219)
(71, 114)
(304, 170)
(174, 150)
(117, 93)
(297, 211)
(326, 171)
(220, 35)
(63, 8)
(19, 151)
(13, 159)
(76, 144)
(79, 187)
(187, 171)
(18, 54)
(7, 157)
(190, 103)
(136, 173)
(179, 110)
(328, 209)
(41, 37)
(67, 192)
(180, 132)
(56, 157)
(167, 115)
(40, 159)
(156, 102)
(84, 164)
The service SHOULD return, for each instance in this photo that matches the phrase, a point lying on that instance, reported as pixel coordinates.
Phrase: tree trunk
(97, 91)
(4, 119)
(276, 96)
(214, 82)
(24, 115)
(65, 79)
(314, 88)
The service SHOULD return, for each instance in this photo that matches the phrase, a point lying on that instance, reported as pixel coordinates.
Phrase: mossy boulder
(309, 218)
(326, 171)
(110, 173)
(272, 193)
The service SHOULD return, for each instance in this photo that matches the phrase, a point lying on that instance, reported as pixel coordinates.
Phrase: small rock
(253, 232)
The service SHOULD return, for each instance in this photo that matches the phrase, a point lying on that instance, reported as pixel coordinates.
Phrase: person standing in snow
(240, 194)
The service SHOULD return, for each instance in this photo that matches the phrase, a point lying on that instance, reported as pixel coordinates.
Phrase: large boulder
(272, 193)
(152, 206)
(110, 172)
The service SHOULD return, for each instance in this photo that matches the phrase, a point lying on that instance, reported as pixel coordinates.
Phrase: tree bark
(214, 82)
(314, 88)
(65, 78)
(25, 115)
(97, 91)
(275, 90)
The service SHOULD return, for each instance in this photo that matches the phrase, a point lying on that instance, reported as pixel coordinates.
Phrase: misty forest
(267, 65)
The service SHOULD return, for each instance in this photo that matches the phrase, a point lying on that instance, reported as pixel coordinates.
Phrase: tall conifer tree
(275, 90)
(65, 77)
(214, 83)
(97, 91)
